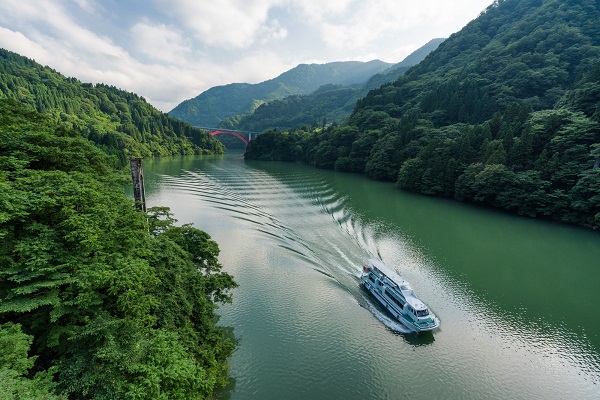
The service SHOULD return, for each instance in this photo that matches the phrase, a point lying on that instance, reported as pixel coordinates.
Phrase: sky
(171, 50)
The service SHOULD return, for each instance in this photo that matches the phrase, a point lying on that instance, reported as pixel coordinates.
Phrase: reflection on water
(422, 339)
(509, 291)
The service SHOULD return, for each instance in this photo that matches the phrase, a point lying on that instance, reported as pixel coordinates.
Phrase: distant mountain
(503, 113)
(119, 122)
(330, 103)
(218, 103)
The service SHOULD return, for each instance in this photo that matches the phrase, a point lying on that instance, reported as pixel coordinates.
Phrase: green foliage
(326, 105)
(278, 146)
(119, 122)
(15, 367)
(330, 103)
(504, 113)
(211, 107)
(118, 303)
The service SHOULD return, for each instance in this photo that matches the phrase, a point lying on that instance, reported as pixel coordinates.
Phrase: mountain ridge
(212, 106)
(504, 113)
(328, 104)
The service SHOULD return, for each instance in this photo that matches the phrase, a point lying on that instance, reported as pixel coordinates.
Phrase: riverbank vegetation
(98, 300)
(504, 113)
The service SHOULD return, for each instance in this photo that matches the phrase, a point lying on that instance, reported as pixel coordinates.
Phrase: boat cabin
(397, 296)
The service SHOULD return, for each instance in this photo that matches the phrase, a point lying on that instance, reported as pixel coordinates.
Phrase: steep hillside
(328, 104)
(216, 104)
(397, 70)
(98, 299)
(120, 122)
(528, 51)
(419, 55)
(503, 113)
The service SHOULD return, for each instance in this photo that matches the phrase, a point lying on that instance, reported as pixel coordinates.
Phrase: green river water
(518, 299)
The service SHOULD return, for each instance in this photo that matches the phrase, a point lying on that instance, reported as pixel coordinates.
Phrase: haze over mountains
(219, 103)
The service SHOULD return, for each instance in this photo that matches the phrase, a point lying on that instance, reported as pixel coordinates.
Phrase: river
(517, 298)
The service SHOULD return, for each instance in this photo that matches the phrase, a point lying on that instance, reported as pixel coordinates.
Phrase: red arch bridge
(244, 136)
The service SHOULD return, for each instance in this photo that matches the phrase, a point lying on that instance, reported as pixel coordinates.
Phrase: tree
(118, 303)
(15, 366)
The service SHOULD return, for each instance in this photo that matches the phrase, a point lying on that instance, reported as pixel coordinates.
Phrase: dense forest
(212, 106)
(328, 104)
(504, 113)
(119, 122)
(98, 300)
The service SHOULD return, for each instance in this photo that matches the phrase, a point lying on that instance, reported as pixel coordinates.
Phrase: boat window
(422, 313)
(394, 299)
(380, 283)
(372, 278)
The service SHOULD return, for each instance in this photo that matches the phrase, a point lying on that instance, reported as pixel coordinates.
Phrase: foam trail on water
(387, 321)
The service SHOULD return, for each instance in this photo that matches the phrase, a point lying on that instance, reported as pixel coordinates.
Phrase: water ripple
(308, 330)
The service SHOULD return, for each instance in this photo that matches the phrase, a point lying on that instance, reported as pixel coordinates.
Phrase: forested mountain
(120, 122)
(397, 70)
(419, 55)
(209, 108)
(328, 104)
(503, 113)
(98, 300)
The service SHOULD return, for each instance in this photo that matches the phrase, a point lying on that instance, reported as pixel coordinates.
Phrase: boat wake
(385, 320)
(336, 249)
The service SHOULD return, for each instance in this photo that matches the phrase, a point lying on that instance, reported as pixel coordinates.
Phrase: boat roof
(393, 275)
(403, 285)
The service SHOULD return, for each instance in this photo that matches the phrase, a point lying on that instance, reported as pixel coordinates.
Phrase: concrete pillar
(137, 175)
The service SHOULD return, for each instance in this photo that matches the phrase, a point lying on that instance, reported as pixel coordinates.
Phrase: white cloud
(319, 10)
(13, 10)
(53, 19)
(273, 31)
(164, 86)
(86, 5)
(259, 66)
(183, 47)
(401, 52)
(19, 43)
(378, 27)
(76, 51)
(159, 42)
(230, 23)
(366, 23)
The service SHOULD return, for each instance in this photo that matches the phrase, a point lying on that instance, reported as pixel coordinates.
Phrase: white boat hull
(381, 285)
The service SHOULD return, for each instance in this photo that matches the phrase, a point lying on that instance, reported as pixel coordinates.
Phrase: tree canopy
(119, 122)
(503, 113)
(216, 104)
(98, 300)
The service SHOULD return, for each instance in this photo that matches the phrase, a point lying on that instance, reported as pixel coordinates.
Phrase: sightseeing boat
(397, 297)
